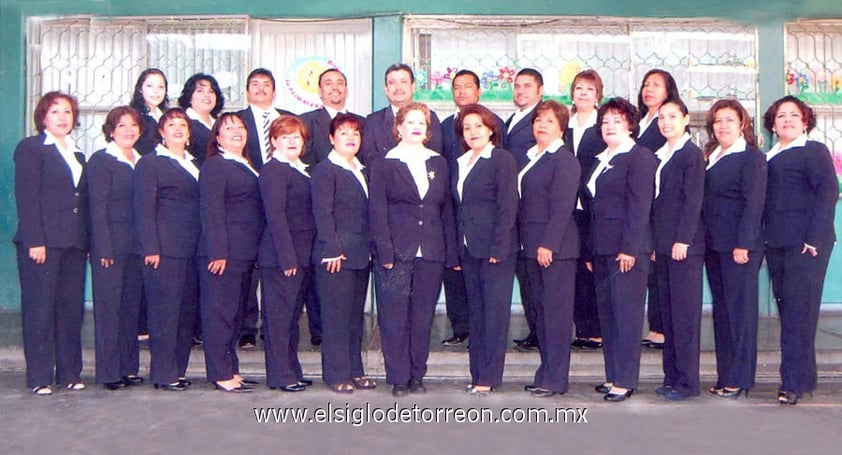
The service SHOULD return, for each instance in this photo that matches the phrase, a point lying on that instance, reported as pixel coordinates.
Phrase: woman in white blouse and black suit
(51, 195)
(485, 189)
(414, 237)
(549, 237)
(800, 205)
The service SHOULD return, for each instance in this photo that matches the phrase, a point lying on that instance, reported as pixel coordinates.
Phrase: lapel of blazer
(181, 171)
(54, 154)
(409, 182)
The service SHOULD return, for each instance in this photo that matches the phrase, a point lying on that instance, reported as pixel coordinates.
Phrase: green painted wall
(768, 15)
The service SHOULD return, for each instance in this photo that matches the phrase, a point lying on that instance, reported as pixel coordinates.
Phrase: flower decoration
(451, 73)
(420, 77)
(506, 75)
(790, 77)
(431, 175)
(836, 83)
(804, 82)
(488, 79)
(436, 78)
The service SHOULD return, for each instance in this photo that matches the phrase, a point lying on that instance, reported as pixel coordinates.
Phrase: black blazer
(166, 208)
(735, 193)
(520, 139)
(112, 207)
(590, 146)
(377, 135)
(318, 146)
(651, 137)
(52, 211)
(401, 220)
(231, 210)
(620, 209)
(452, 144)
(487, 209)
(677, 211)
(149, 136)
(340, 210)
(254, 131)
(547, 201)
(801, 197)
(287, 240)
(199, 138)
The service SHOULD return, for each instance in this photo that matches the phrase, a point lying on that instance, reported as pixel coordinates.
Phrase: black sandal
(364, 382)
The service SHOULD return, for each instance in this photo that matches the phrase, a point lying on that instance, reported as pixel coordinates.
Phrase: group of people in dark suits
(185, 204)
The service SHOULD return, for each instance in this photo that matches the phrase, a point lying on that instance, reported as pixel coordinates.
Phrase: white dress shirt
(68, 154)
(186, 162)
(665, 153)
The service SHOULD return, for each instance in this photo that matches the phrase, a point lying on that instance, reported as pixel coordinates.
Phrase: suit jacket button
(75, 209)
(76, 194)
(420, 223)
(421, 206)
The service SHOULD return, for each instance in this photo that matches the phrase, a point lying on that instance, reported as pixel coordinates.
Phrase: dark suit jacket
(287, 240)
(231, 210)
(377, 135)
(340, 210)
(112, 207)
(547, 201)
(254, 132)
(149, 136)
(487, 209)
(401, 220)
(590, 146)
(166, 205)
(52, 211)
(651, 138)
(520, 139)
(318, 125)
(199, 138)
(620, 209)
(735, 193)
(452, 139)
(677, 211)
(801, 197)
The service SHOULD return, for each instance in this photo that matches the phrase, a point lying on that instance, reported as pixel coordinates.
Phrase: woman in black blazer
(582, 137)
(621, 186)
(232, 223)
(485, 190)
(150, 100)
(51, 195)
(341, 255)
(285, 249)
(414, 237)
(115, 262)
(548, 187)
(657, 87)
(679, 249)
(798, 220)
(166, 204)
(735, 189)
(203, 101)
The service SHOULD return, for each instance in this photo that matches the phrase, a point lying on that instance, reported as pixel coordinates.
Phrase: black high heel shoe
(787, 397)
(173, 387)
(238, 389)
(132, 380)
(733, 394)
(617, 397)
(603, 388)
(114, 385)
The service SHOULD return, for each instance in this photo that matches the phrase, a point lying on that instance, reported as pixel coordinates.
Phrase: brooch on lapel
(431, 175)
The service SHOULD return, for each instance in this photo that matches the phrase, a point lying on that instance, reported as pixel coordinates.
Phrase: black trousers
(553, 291)
(680, 285)
(222, 316)
(456, 301)
(311, 302)
(117, 293)
(406, 303)
(342, 295)
(653, 305)
(52, 304)
(797, 282)
(526, 294)
(489, 288)
(172, 294)
(585, 316)
(735, 307)
(250, 307)
(283, 300)
(621, 298)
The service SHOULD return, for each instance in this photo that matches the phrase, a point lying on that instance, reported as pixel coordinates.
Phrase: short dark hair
(807, 113)
(286, 124)
(669, 81)
(332, 70)
(465, 73)
(48, 100)
(746, 124)
(345, 119)
(401, 116)
(623, 107)
(260, 72)
(398, 67)
(532, 72)
(488, 119)
(591, 76)
(113, 118)
(175, 112)
(190, 87)
(557, 109)
(137, 97)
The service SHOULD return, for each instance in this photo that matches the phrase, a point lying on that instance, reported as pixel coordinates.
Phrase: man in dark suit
(377, 132)
(260, 93)
(528, 92)
(333, 91)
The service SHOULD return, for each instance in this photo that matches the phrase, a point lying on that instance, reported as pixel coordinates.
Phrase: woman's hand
(626, 262)
(679, 251)
(335, 265)
(38, 254)
(290, 272)
(457, 268)
(493, 260)
(653, 257)
(545, 256)
(153, 260)
(217, 266)
(741, 255)
(389, 266)
(106, 262)
(813, 251)
(589, 266)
